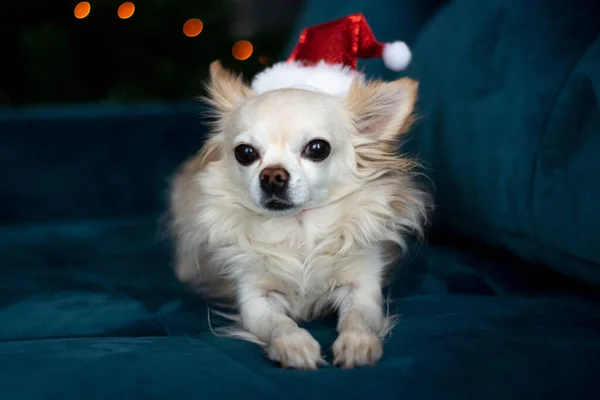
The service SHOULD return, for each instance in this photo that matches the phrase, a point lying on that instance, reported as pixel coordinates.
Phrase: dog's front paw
(355, 348)
(295, 349)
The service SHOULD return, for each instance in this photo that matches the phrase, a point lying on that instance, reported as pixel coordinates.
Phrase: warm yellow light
(192, 27)
(242, 50)
(264, 60)
(82, 10)
(126, 10)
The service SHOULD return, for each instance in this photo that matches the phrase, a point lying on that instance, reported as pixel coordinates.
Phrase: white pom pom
(396, 56)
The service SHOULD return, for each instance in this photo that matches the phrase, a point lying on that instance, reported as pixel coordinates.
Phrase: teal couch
(501, 302)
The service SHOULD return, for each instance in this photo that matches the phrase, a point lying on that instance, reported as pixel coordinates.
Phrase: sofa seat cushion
(91, 309)
(114, 277)
(450, 347)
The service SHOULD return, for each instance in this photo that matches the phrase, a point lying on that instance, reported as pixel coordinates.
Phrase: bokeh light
(126, 10)
(264, 60)
(242, 50)
(82, 10)
(192, 27)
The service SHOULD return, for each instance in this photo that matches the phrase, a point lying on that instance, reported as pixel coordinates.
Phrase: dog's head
(289, 150)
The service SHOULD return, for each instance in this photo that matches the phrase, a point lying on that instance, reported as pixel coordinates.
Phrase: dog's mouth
(275, 204)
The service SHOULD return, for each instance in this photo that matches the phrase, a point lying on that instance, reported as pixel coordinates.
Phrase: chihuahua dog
(296, 206)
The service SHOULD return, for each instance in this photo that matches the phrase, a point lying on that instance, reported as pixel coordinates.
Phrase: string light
(242, 50)
(82, 10)
(126, 10)
(192, 27)
(264, 60)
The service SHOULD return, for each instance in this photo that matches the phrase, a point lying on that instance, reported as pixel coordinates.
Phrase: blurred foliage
(57, 58)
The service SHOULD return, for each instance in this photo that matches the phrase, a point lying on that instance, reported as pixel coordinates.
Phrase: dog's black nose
(274, 180)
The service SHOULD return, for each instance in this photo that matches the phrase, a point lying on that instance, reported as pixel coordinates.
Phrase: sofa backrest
(89, 162)
(509, 127)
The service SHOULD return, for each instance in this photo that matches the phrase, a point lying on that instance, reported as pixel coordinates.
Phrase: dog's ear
(382, 110)
(225, 89)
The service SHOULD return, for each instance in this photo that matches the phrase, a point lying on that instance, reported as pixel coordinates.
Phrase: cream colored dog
(294, 208)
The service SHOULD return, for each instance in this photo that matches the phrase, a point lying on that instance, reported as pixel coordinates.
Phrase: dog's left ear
(225, 89)
(382, 110)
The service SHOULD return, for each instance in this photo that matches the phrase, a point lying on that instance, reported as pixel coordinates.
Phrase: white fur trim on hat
(334, 80)
(396, 56)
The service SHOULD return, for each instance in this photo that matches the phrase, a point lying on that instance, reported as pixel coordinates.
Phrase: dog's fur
(332, 250)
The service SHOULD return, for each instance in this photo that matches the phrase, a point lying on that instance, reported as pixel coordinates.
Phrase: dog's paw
(295, 349)
(355, 348)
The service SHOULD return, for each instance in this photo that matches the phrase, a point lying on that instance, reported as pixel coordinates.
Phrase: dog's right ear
(225, 89)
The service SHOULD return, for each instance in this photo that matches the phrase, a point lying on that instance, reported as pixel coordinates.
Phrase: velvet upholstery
(510, 127)
(90, 309)
(500, 302)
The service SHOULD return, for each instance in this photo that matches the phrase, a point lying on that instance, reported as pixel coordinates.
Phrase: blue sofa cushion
(90, 309)
(445, 348)
(510, 127)
(92, 161)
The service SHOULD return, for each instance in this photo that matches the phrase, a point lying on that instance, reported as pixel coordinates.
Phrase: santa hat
(326, 55)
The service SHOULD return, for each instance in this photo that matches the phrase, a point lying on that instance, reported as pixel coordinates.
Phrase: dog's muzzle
(274, 182)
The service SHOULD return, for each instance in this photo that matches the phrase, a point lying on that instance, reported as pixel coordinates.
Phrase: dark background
(51, 57)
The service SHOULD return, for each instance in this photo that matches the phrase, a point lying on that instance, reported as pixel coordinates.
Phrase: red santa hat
(326, 55)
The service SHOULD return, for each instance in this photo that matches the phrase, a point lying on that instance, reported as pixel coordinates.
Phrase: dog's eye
(317, 150)
(245, 154)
